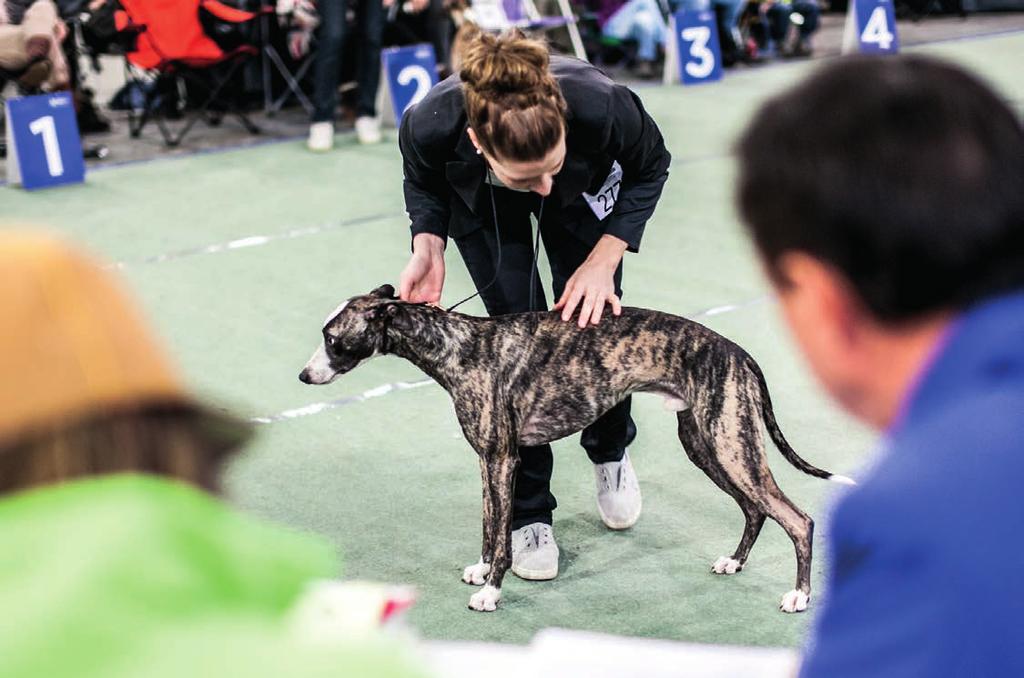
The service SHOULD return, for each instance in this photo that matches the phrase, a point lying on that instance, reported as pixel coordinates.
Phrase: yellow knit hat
(73, 346)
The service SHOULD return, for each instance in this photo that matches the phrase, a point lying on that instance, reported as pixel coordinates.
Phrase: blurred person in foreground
(116, 560)
(886, 200)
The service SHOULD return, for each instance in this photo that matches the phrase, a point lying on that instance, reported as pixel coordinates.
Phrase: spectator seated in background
(639, 20)
(117, 559)
(63, 57)
(30, 40)
(790, 25)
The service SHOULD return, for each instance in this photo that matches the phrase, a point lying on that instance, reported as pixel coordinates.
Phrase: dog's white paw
(485, 600)
(726, 566)
(476, 574)
(794, 601)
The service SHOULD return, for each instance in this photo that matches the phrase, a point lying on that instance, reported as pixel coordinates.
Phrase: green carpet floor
(389, 479)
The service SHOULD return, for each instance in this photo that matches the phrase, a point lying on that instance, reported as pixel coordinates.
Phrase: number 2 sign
(44, 146)
(698, 56)
(409, 73)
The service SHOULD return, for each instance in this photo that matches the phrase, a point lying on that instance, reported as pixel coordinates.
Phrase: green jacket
(137, 576)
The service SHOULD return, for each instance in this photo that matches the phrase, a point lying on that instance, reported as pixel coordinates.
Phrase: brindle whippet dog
(530, 378)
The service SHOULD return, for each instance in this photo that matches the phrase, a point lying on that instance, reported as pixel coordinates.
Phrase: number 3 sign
(43, 142)
(694, 54)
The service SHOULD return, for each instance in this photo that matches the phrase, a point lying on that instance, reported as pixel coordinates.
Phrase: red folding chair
(172, 44)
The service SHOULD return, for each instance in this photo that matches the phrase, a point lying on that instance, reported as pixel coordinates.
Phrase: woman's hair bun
(509, 63)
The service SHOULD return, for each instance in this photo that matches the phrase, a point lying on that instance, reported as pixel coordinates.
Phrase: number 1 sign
(44, 148)
(871, 27)
(693, 54)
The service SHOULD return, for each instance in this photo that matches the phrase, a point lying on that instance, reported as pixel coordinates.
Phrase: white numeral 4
(699, 36)
(877, 29)
(45, 127)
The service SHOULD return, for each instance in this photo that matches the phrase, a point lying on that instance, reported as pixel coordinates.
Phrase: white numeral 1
(877, 29)
(699, 36)
(51, 146)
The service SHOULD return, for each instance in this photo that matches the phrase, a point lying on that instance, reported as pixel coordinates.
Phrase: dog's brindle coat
(530, 378)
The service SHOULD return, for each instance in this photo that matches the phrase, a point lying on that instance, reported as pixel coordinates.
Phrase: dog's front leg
(498, 481)
(477, 573)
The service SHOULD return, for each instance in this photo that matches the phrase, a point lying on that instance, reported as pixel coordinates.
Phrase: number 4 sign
(408, 74)
(44, 148)
(871, 27)
(693, 54)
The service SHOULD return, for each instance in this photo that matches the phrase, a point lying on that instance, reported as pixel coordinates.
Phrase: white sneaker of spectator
(368, 130)
(321, 136)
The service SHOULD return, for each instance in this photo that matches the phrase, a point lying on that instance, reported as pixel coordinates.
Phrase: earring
(478, 151)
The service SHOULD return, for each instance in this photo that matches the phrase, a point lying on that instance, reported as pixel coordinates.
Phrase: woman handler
(518, 135)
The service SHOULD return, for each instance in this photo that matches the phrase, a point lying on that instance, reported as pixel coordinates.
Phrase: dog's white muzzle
(318, 369)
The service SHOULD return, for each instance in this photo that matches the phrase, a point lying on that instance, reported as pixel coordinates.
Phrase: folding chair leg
(574, 30)
(204, 112)
(292, 81)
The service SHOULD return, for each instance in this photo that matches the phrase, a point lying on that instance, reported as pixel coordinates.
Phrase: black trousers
(606, 439)
(333, 34)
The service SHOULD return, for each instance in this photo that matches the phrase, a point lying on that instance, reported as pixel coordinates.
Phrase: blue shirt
(927, 554)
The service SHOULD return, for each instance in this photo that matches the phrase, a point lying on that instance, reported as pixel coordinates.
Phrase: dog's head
(352, 333)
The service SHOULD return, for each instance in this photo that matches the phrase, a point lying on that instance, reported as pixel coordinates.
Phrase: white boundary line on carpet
(317, 408)
(257, 240)
(385, 389)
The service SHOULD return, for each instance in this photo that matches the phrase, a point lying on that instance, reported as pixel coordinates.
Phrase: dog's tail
(780, 440)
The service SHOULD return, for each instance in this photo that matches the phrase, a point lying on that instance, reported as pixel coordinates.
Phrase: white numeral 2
(45, 127)
(422, 79)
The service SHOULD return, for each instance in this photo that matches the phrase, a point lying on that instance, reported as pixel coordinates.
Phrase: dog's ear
(384, 292)
(393, 313)
(399, 318)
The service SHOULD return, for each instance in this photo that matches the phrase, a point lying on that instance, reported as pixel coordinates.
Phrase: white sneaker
(368, 130)
(321, 136)
(534, 552)
(618, 493)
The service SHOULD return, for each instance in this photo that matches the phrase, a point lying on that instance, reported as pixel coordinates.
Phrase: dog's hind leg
(702, 455)
(736, 443)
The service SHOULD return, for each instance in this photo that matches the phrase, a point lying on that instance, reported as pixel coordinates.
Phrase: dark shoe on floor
(645, 70)
(802, 48)
(90, 121)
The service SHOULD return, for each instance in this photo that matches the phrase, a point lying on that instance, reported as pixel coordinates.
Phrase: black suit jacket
(444, 177)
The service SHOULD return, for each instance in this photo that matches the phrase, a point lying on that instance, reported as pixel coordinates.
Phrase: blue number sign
(876, 27)
(700, 57)
(411, 72)
(44, 148)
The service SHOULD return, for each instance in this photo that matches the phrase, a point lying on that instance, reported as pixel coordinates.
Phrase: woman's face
(536, 175)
